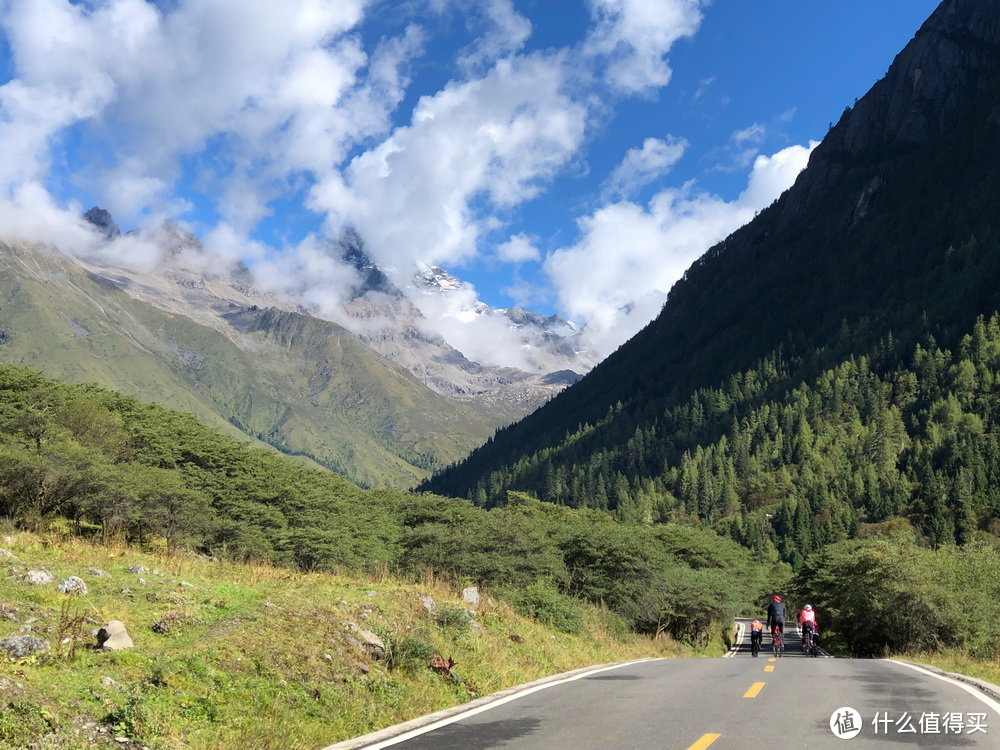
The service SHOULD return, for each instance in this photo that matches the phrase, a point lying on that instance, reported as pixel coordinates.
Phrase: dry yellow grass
(257, 656)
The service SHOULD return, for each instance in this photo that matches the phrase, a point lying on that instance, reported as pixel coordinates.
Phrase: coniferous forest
(899, 439)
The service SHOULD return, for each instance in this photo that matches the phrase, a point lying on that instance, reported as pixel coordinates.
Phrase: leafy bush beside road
(889, 595)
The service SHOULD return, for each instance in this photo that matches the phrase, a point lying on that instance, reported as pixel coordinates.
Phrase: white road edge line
(736, 645)
(967, 688)
(534, 687)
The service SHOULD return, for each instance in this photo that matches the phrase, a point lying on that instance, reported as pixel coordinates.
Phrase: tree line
(903, 435)
(92, 462)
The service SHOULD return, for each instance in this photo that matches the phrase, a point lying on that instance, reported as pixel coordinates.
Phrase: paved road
(793, 642)
(738, 702)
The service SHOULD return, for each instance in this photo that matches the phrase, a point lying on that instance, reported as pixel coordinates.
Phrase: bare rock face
(950, 62)
(72, 585)
(114, 636)
(39, 577)
(102, 220)
(19, 646)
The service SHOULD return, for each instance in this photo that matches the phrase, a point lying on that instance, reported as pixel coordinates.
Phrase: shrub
(453, 617)
(408, 652)
(542, 602)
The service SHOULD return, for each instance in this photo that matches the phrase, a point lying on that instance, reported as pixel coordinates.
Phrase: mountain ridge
(302, 385)
(819, 276)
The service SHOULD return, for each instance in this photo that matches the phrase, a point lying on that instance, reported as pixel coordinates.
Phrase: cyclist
(756, 636)
(776, 617)
(807, 622)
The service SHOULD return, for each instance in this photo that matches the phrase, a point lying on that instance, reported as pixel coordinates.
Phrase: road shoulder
(423, 724)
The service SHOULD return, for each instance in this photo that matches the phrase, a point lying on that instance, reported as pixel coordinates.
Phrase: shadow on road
(480, 735)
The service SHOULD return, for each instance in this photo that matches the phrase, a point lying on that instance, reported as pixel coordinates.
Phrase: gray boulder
(114, 636)
(370, 642)
(19, 646)
(96, 572)
(428, 603)
(471, 596)
(7, 554)
(72, 585)
(137, 570)
(39, 577)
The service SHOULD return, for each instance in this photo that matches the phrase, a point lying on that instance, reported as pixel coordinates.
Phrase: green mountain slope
(302, 385)
(886, 241)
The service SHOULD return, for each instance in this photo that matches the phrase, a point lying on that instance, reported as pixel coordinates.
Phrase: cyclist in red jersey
(808, 624)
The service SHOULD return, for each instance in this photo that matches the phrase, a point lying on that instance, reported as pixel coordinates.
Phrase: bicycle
(807, 637)
(755, 638)
(777, 641)
(813, 643)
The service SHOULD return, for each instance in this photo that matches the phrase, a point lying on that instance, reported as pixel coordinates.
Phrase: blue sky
(573, 156)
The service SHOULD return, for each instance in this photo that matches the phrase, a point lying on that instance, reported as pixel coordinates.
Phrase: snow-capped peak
(434, 279)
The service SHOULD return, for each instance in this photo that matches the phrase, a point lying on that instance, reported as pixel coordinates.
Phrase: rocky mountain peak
(434, 279)
(102, 220)
(177, 240)
(520, 316)
(373, 279)
(950, 62)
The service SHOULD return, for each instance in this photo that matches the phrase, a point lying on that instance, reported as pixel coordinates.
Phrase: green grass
(305, 386)
(952, 660)
(233, 671)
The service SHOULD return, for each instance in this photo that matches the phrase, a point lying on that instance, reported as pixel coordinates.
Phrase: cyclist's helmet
(776, 598)
(808, 606)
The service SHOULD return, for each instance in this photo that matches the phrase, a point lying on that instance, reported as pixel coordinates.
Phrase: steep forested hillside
(822, 367)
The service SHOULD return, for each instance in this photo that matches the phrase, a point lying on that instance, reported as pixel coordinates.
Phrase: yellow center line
(704, 741)
(773, 659)
(769, 669)
(754, 689)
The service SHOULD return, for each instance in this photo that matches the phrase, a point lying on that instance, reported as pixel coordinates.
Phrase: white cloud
(630, 252)
(703, 86)
(28, 212)
(508, 31)
(632, 37)
(278, 87)
(274, 98)
(310, 272)
(642, 166)
(520, 248)
(428, 192)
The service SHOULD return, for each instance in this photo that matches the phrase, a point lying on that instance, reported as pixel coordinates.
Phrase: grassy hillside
(300, 384)
(108, 466)
(253, 656)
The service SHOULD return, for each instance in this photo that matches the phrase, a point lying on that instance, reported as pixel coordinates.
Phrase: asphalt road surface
(737, 702)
